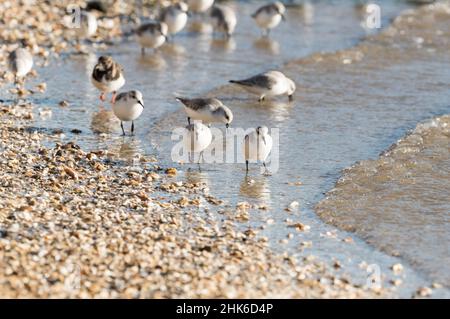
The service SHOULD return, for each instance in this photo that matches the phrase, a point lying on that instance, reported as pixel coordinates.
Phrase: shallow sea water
(342, 113)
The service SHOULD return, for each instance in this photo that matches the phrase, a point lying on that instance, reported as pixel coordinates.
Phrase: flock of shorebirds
(108, 75)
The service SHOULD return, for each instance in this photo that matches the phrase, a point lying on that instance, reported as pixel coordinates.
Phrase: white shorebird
(268, 84)
(269, 16)
(199, 6)
(88, 25)
(152, 35)
(20, 62)
(257, 146)
(207, 110)
(223, 19)
(197, 139)
(128, 107)
(107, 76)
(175, 16)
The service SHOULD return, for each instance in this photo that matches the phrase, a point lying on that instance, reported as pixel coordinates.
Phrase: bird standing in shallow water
(257, 146)
(197, 139)
(207, 110)
(175, 16)
(128, 107)
(268, 84)
(223, 20)
(20, 62)
(269, 16)
(88, 25)
(107, 76)
(152, 35)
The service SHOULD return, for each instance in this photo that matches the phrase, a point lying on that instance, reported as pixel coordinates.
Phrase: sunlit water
(340, 115)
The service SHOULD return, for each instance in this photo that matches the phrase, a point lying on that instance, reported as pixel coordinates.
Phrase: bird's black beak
(227, 125)
(291, 98)
(141, 104)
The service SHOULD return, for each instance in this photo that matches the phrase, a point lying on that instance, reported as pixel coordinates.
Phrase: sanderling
(269, 16)
(197, 139)
(175, 16)
(223, 19)
(20, 62)
(128, 107)
(199, 6)
(207, 110)
(268, 84)
(107, 77)
(257, 145)
(152, 35)
(88, 25)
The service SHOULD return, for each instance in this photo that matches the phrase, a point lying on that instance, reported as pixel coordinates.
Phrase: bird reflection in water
(267, 45)
(154, 60)
(255, 188)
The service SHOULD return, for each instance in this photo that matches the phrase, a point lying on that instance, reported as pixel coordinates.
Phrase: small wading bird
(20, 62)
(268, 84)
(223, 20)
(197, 139)
(152, 35)
(269, 16)
(199, 6)
(175, 16)
(88, 25)
(257, 146)
(128, 107)
(107, 76)
(207, 110)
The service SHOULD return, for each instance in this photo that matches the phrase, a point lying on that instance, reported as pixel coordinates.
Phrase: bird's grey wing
(122, 96)
(151, 27)
(260, 80)
(261, 9)
(12, 61)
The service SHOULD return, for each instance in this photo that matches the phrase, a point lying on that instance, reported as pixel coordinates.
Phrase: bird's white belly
(109, 86)
(198, 142)
(148, 40)
(268, 21)
(87, 28)
(23, 67)
(256, 149)
(277, 89)
(125, 112)
(176, 23)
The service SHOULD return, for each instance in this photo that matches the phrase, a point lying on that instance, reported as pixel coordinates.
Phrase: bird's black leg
(189, 121)
(132, 127)
(246, 164)
(121, 125)
(142, 51)
(266, 171)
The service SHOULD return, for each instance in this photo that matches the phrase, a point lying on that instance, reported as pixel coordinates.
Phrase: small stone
(424, 292)
(293, 206)
(69, 171)
(397, 268)
(171, 171)
(63, 103)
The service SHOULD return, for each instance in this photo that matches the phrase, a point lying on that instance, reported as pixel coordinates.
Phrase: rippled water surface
(349, 106)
